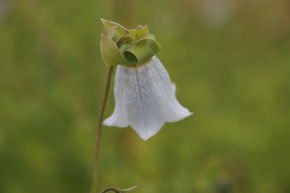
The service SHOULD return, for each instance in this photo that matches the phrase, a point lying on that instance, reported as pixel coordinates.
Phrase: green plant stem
(99, 129)
(116, 190)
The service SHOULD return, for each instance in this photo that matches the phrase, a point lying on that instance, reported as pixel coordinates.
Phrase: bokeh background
(230, 60)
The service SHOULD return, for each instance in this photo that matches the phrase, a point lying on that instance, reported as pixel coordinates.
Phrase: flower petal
(172, 110)
(119, 116)
(145, 99)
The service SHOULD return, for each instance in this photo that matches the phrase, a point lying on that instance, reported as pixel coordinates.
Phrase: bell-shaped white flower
(145, 99)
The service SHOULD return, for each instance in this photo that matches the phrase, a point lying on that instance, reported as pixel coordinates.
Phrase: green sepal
(110, 53)
(143, 50)
(127, 47)
(138, 54)
(150, 40)
(120, 31)
(139, 32)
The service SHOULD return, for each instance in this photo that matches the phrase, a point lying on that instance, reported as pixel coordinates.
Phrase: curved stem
(99, 128)
(116, 190)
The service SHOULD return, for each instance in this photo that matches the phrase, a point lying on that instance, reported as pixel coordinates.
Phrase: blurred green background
(230, 60)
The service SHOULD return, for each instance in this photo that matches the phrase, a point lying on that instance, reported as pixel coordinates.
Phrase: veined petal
(119, 116)
(145, 99)
(172, 110)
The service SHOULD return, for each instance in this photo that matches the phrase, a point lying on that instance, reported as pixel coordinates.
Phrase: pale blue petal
(145, 99)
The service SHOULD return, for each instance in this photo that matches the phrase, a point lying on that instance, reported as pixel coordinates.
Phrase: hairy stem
(99, 129)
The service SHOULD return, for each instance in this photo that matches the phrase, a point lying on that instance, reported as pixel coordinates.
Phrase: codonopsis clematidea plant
(144, 93)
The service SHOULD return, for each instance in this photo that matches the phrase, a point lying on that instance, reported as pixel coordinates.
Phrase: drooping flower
(144, 94)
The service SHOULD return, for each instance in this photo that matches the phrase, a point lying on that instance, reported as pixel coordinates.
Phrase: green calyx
(131, 47)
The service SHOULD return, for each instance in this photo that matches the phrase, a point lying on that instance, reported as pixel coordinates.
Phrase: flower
(144, 94)
(145, 99)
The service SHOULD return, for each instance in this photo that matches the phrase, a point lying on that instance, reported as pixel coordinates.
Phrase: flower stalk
(99, 128)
